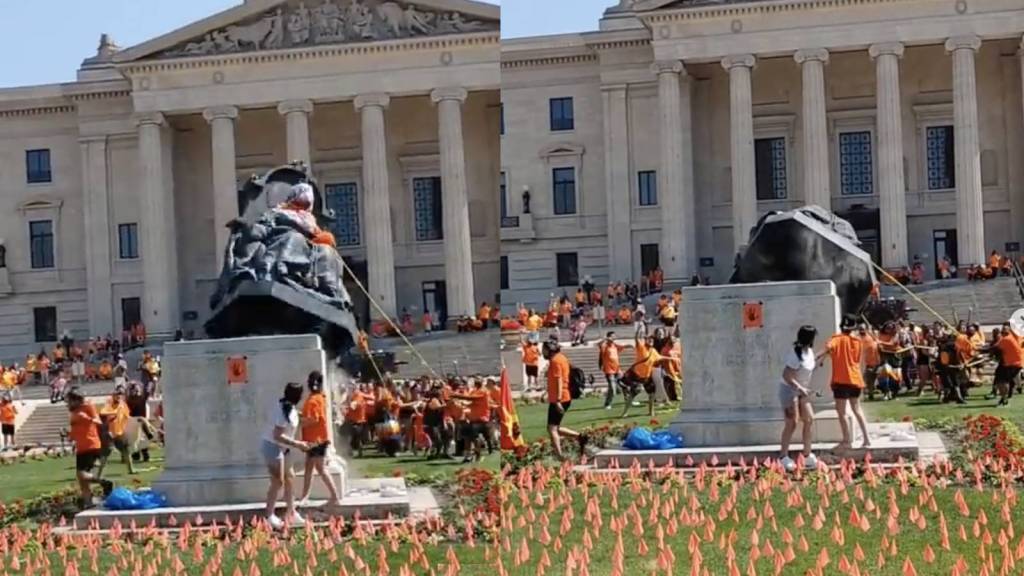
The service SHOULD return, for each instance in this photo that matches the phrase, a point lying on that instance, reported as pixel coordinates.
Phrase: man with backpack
(564, 384)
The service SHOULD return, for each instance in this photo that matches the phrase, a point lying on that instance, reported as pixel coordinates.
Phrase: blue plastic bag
(641, 438)
(124, 499)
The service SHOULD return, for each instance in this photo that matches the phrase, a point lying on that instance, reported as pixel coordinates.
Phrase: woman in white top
(794, 396)
(276, 447)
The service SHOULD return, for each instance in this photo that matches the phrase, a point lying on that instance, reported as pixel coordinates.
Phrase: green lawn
(929, 407)
(586, 413)
(33, 478)
(709, 520)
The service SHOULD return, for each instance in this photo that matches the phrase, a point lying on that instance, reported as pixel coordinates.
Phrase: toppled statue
(282, 273)
(809, 243)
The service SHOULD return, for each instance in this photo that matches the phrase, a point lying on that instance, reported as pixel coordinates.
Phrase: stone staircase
(989, 302)
(447, 353)
(43, 425)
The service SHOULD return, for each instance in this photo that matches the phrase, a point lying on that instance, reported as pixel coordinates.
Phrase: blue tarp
(124, 499)
(641, 438)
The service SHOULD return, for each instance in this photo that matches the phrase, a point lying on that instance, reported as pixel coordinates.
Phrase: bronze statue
(282, 273)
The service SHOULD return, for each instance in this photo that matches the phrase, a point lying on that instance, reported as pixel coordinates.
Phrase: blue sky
(45, 41)
(541, 17)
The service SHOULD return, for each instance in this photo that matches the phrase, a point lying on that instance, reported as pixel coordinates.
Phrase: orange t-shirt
(357, 408)
(118, 417)
(8, 412)
(964, 348)
(84, 431)
(558, 379)
(534, 323)
(1010, 352)
(454, 411)
(495, 396)
(530, 354)
(479, 406)
(608, 356)
(846, 352)
(485, 313)
(871, 356)
(315, 409)
(580, 297)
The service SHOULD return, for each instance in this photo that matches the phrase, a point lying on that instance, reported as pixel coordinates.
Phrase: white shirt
(277, 418)
(804, 366)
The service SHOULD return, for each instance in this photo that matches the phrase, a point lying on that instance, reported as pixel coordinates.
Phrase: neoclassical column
(156, 236)
(815, 130)
(970, 215)
(675, 174)
(741, 128)
(96, 210)
(380, 255)
(458, 254)
(892, 199)
(617, 180)
(225, 185)
(296, 116)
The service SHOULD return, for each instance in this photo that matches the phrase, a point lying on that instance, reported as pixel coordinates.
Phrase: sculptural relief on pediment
(318, 22)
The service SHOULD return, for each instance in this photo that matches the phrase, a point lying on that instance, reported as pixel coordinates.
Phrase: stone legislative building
(661, 138)
(116, 187)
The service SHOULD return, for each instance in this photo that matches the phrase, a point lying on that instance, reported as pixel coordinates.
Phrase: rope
(390, 322)
(914, 296)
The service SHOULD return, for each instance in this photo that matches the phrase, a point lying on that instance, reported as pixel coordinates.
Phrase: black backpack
(577, 381)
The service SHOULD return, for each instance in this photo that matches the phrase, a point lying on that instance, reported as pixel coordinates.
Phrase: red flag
(511, 437)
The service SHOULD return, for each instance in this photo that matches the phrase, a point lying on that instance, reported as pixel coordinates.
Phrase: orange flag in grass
(511, 437)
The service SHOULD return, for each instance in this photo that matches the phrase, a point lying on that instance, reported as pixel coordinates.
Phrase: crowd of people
(947, 360)
(440, 418)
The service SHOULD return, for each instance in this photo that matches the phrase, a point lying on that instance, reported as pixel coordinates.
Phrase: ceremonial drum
(389, 437)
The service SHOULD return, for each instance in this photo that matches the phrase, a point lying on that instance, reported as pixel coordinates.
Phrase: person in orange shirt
(313, 422)
(85, 433)
(494, 396)
(995, 261)
(847, 381)
(533, 324)
(476, 428)
(8, 415)
(608, 360)
(115, 415)
(559, 398)
(454, 417)
(531, 361)
(484, 315)
(356, 417)
(522, 316)
(1010, 355)
(581, 298)
(872, 359)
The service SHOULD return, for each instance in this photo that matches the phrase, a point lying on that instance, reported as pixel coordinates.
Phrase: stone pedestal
(512, 360)
(731, 373)
(214, 429)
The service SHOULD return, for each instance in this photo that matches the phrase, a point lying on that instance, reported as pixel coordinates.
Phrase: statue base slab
(215, 418)
(735, 339)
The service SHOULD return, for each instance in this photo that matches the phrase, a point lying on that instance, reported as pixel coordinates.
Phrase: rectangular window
(37, 166)
(770, 168)
(131, 313)
(45, 322)
(647, 183)
(501, 119)
(649, 259)
(567, 269)
(563, 187)
(343, 199)
(856, 167)
(128, 241)
(427, 206)
(503, 196)
(504, 272)
(41, 242)
(561, 114)
(941, 158)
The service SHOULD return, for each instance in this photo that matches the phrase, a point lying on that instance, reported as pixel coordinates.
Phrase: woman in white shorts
(278, 447)
(794, 397)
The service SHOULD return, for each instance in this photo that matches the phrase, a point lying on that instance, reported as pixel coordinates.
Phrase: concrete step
(884, 449)
(418, 501)
(43, 425)
(988, 302)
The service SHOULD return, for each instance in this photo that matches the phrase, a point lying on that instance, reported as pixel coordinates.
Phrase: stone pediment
(649, 5)
(262, 25)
